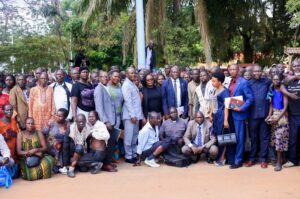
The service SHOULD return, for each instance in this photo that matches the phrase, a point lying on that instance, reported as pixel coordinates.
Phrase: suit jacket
(243, 88)
(191, 133)
(132, 101)
(168, 96)
(19, 103)
(104, 105)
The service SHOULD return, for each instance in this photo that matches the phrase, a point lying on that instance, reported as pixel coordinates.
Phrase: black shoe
(210, 161)
(55, 169)
(96, 167)
(130, 161)
(235, 166)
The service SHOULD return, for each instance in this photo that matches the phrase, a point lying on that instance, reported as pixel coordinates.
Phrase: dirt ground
(200, 180)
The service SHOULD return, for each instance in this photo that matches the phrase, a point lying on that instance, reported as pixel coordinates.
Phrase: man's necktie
(199, 136)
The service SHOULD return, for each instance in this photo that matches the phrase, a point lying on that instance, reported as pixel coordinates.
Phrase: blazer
(242, 88)
(105, 106)
(19, 103)
(132, 101)
(168, 96)
(191, 133)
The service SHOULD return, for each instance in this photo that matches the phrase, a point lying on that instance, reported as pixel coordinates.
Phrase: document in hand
(233, 102)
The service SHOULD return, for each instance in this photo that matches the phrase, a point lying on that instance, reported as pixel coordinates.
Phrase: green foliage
(32, 52)
(293, 7)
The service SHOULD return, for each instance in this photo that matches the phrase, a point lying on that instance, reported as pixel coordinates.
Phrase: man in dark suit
(150, 56)
(175, 94)
(238, 87)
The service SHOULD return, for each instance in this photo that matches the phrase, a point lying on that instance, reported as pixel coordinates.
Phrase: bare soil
(200, 180)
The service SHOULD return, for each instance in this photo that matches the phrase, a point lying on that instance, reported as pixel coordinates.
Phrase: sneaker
(71, 173)
(63, 170)
(288, 164)
(219, 163)
(151, 163)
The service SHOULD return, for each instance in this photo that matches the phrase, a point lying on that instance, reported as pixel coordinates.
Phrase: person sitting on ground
(173, 129)
(5, 157)
(99, 137)
(55, 135)
(149, 145)
(199, 139)
(31, 146)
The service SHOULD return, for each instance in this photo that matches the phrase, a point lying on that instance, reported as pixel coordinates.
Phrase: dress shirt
(195, 141)
(147, 137)
(232, 85)
(61, 98)
(178, 97)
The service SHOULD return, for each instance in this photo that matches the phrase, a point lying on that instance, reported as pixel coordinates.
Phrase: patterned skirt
(42, 171)
(280, 132)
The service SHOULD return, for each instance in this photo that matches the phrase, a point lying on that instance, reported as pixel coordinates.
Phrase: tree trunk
(248, 50)
(201, 12)
(149, 18)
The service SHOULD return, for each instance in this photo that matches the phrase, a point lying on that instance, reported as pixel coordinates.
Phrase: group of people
(73, 121)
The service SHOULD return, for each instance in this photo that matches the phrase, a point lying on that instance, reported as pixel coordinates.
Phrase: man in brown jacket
(18, 98)
(199, 139)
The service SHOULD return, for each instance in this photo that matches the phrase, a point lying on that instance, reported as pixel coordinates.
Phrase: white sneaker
(288, 164)
(151, 163)
(63, 170)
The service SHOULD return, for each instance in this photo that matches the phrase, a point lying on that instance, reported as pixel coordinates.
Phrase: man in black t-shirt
(294, 116)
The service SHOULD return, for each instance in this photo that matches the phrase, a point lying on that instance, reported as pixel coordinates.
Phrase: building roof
(292, 51)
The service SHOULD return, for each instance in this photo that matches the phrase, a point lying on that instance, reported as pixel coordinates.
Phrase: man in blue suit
(239, 87)
(175, 94)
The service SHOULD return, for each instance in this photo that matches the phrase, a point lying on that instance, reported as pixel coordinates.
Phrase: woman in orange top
(4, 99)
(9, 129)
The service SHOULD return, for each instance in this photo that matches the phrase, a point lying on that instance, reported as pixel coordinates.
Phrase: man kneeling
(199, 139)
(149, 147)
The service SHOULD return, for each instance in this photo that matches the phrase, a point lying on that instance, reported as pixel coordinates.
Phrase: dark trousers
(94, 156)
(235, 152)
(258, 129)
(294, 122)
(111, 146)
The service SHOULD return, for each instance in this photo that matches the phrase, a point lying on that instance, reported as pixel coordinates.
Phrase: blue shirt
(260, 105)
(147, 137)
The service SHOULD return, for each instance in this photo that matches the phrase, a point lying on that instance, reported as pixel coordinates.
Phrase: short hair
(5, 105)
(219, 76)
(64, 111)
(96, 114)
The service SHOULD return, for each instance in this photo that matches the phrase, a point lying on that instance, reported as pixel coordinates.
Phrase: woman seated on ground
(9, 130)
(55, 135)
(78, 144)
(31, 146)
(5, 157)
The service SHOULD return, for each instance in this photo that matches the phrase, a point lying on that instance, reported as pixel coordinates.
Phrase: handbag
(32, 161)
(226, 139)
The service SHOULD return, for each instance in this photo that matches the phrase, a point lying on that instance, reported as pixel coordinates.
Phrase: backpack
(173, 157)
(5, 178)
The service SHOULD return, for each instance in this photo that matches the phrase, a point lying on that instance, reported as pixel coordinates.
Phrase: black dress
(152, 100)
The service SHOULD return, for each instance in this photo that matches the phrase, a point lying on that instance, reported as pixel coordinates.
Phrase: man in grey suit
(131, 115)
(106, 110)
(199, 139)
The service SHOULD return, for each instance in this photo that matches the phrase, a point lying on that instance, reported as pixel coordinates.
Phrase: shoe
(235, 166)
(130, 161)
(63, 170)
(71, 173)
(109, 168)
(278, 167)
(288, 164)
(55, 169)
(249, 163)
(113, 165)
(264, 165)
(96, 167)
(219, 163)
(210, 161)
(151, 163)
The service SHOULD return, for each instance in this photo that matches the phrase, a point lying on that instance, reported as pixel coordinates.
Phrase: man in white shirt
(5, 157)
(149, 147)
(62, 92)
